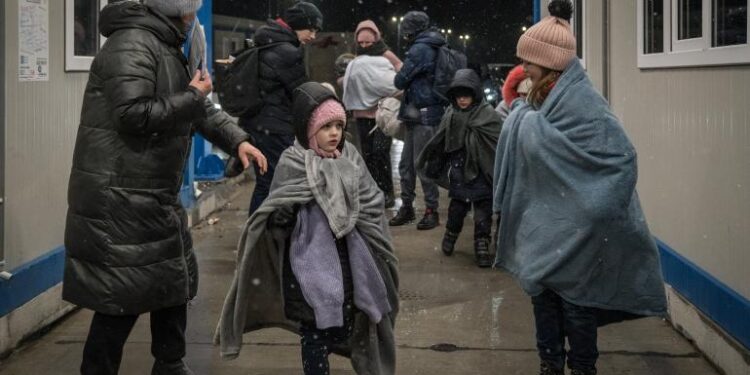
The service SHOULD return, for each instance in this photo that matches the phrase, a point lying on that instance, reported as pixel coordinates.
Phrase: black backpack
(448, 61)
(238, 83)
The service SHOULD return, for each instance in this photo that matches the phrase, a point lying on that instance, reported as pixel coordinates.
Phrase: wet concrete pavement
(455, 319)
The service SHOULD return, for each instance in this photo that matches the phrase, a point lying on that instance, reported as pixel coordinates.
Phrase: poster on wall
(33, 40)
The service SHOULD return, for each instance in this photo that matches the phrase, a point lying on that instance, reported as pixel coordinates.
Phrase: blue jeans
(557, 319)
(417, 137)
(271, 145)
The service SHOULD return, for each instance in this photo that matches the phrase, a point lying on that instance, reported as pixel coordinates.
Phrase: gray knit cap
(174, 8)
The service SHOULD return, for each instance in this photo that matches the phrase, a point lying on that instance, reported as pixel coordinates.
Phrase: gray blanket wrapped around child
(565, 177)
(349, 198)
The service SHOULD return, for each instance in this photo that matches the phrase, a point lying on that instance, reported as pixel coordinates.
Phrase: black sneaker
(449, 242)
(429, 221)
(404, 215)
(548, 369)
(482, 252)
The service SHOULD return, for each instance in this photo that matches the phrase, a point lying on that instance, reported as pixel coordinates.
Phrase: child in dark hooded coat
(461, 158)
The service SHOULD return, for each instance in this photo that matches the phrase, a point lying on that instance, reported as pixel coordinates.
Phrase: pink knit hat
(328, 111)
(550, 43)
(367, 25)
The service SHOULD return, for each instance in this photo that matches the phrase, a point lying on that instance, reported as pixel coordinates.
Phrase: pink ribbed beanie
(367, 25)
(550, 43)
(329, 110)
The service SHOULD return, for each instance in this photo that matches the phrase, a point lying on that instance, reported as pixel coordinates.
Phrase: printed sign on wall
(33, 40)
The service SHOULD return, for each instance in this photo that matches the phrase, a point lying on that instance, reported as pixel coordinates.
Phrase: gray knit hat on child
(174, 8)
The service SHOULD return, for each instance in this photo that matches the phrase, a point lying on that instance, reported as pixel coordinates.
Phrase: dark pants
(271, 145)
(376, 150)
(457, 211)
(103, 350)
(557, 319)
(317, 344)
(417, 136)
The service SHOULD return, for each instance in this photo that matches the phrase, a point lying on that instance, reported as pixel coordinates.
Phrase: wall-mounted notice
(33, 40)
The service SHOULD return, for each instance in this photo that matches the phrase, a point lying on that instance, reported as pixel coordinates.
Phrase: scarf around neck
(376, 49)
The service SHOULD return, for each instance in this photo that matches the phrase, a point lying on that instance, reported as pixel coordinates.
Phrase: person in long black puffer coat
(128, 249)
(281, 70)
(463, 153)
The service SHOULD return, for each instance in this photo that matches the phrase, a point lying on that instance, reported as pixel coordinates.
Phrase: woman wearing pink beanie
(368, 79)
(572, 231)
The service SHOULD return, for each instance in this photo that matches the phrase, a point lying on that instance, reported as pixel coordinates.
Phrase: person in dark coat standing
(421, 111)
(463, 150)
(128, 249)
(281, 70)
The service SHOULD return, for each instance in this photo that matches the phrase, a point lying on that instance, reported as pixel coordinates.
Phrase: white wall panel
(41, 123)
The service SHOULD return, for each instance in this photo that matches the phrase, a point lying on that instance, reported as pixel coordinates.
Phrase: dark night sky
(494, 26)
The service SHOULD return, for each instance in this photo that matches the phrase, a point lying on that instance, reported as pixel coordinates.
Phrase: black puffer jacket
(128, 247)
(281, 70)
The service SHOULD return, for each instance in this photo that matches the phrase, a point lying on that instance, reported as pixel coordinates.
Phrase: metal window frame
(75, 63)
(675, 56)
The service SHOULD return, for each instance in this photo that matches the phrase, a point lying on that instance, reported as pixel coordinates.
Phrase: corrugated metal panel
(691, 128)
(42, 119)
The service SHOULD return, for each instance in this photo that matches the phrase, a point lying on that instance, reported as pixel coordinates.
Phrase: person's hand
(202, 82)
(246, 152)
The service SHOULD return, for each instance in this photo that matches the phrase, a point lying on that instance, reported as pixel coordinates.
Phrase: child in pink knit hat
(319, 250)
(572, 231)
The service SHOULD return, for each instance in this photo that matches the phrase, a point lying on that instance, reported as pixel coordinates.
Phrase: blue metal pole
(537, 10)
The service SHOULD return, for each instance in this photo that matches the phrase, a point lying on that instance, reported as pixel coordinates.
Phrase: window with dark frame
(729, 22)
(653, 22)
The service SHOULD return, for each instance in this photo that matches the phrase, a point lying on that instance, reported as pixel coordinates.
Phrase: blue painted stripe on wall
(721, 304)
(31, 280)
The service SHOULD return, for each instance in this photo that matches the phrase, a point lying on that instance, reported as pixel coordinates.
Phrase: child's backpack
(448, 61)
(238, 86)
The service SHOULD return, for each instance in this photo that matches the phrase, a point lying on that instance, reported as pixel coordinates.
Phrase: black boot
(583, 372)
(449, 241)
(430, 220)
(170, 368)
(404, 215)
(482, 252)
(548, 369)
(390, 201)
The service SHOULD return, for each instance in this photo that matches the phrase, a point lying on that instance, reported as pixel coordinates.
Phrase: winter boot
(583, 372)
(177, 367)
(390, 201)
(404, 215)
(430, 220)
(482, 252)
(449, 241)
(548, 369)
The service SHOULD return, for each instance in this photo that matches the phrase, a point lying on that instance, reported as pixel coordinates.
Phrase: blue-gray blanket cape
(565, 177)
